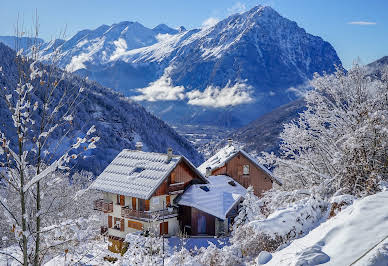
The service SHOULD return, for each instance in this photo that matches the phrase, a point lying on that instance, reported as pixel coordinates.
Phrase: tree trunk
(23, 205)
(37, 242)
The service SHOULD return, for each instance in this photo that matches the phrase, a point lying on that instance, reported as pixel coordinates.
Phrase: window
(118, 224)
(246, 169)
(120, 200)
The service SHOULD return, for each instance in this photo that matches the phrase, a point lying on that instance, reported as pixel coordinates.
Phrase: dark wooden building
(240, 166)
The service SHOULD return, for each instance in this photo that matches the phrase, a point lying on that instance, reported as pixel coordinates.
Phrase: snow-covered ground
(350, 237)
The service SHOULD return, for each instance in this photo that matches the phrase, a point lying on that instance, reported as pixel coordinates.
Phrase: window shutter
(165, 227)
(239, 170)
(147, 205)
(133, 203)
(122, 225)
(168, 200)
(117, 199)
(109, 221)
(172, 177)
(122, 200)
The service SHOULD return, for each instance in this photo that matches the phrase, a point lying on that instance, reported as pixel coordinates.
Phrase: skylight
(138, 170)
(205, 188)
(232, 183)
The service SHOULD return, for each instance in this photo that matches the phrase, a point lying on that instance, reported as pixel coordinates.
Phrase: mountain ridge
(243, 66)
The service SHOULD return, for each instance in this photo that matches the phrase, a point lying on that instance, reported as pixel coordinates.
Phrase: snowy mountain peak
(164, 29)
(238, 69)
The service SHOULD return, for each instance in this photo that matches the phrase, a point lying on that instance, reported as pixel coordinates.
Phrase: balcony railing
(103, 205)
(175, 188)
(126, 212)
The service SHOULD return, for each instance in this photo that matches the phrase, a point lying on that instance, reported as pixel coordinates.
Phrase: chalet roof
(228, 152)
(217, 197)
(138, 173)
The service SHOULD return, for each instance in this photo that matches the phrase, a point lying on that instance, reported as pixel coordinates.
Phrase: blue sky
(366, 37)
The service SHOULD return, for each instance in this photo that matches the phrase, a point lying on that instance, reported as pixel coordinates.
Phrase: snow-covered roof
(137, 173)
(217, 199)
(228, 152)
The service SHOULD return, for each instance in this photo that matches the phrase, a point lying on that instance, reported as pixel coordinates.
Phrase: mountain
(228, 74)
(375, 68)
(263, 133)
(120, 122)
(20, 43)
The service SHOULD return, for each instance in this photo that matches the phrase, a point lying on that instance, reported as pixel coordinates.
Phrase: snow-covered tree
(339, 144)
(39, 107)
(250, 209)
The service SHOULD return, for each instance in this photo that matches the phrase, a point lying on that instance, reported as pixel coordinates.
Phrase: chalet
(138, 191)
(240, 166)
(209, 209)
(165, 193)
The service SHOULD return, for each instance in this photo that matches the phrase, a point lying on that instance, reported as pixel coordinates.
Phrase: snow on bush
(280, 227)
(250, 210)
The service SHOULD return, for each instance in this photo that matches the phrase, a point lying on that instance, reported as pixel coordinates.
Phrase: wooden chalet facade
(240, 166)
(138, 193)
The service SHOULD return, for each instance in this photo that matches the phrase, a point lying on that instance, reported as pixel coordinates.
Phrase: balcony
(176, 188)
(126, 212)
(103, 205)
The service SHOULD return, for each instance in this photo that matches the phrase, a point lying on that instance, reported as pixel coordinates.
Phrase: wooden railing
(176, 187)
(103, 205)
(126, 212)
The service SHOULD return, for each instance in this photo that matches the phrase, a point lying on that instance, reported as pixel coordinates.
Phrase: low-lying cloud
(161, 90)
(237, 94)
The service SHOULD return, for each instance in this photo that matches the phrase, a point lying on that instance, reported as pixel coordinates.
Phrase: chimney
(139, 146)
(208, 171)
(169, 154)
(230, 142)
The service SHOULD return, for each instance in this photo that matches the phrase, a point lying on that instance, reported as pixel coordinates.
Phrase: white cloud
(237, 8)
(163, 37)
(363, 23)
(210, 22)
(121, 48)
(237, 94)
(161, 90)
